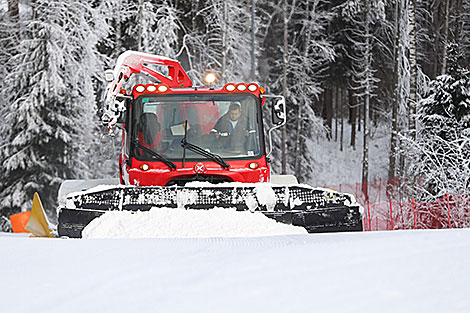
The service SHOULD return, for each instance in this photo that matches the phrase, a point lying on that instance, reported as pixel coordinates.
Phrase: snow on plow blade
(317, 210)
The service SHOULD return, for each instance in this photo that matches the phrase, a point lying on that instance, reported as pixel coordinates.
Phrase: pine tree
(49, 126)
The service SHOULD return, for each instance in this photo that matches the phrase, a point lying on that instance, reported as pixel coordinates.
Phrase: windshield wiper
(207, 154)
(157, 156)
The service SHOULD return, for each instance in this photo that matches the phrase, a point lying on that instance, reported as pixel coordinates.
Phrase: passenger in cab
(149, 132)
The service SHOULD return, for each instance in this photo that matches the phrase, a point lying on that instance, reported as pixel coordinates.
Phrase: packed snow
(181, 223)
(369, 272)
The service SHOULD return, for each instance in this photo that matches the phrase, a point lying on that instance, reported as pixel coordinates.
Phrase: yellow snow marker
(37, 224)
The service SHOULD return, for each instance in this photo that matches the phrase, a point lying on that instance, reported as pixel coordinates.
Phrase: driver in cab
(231, 129)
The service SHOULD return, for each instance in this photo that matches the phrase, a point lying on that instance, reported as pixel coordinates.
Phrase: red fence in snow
(381, 213)
(449, 211)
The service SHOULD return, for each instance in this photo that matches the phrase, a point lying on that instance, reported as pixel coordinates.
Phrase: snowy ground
(401, 271)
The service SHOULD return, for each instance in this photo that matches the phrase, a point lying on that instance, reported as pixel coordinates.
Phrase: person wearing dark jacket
(231, 130)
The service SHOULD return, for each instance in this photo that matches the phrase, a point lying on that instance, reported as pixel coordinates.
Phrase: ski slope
(400, 271)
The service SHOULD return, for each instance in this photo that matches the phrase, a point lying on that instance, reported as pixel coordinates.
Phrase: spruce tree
(49, 124)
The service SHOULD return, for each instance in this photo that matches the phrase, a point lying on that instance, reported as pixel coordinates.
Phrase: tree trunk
(139, 25)
(365, 150)
(194, 10)
(359, 117)
(118, 29)
(353, 107)
(457, 23)
(368, 69)
(446, 38)
(252, 31)
(413, 71)
(224, 43)
(299, 141)
(343, 96)
(336, 102)
(13, 10)
(284, 90)
(394, 135)
(298, 156)
(328, 111)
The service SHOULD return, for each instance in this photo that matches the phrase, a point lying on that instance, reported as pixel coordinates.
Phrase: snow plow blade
(317, 210)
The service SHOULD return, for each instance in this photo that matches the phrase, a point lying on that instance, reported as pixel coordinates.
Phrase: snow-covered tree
(364, 14)
(297, 54)
(218, 40)
(160, 27)
(311, 60)
(8, 38)
(49, 94)
(441, 159)
(122, 17)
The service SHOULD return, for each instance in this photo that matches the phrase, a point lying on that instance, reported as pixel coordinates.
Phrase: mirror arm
(120, 95)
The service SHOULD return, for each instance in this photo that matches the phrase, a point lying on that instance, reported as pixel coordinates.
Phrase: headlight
(210, 78)
(144, 167)
(241, 87)
(252, 87)
(151, 88)
(162, 88)
(230, 87)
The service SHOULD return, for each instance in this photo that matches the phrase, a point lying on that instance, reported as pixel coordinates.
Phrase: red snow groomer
(196, 148)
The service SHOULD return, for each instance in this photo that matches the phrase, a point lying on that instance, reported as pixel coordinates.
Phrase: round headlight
(241, 87)
(140, 88)
(151, 88)
(252, 87)
(253, 165)
(230, 87)
(144, 167)
(210, 78)
(162, 88)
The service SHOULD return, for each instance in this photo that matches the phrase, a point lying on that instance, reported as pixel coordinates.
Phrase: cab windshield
(225, 125)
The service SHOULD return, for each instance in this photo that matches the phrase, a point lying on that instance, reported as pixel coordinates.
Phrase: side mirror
(109, 75)
(279, 112)
(279, 118)
(121, 104)
(122, 117)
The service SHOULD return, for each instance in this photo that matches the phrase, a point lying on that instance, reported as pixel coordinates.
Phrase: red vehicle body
(201, 106)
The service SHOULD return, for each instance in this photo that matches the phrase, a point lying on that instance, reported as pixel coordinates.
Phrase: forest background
(344, 65)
